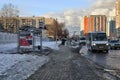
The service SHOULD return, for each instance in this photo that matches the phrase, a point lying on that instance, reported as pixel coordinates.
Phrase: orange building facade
(85, 25)
(94, 23)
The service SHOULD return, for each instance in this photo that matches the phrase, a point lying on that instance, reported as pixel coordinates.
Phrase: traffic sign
(40, 25)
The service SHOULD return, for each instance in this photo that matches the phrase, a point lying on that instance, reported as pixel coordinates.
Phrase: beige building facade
(10, 24)
(118, 17)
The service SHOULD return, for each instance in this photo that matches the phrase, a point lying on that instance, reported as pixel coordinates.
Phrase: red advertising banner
(26, 40)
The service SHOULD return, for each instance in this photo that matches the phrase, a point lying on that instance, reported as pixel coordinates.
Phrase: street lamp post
(18, 33)
(41, 24)
(56, 32)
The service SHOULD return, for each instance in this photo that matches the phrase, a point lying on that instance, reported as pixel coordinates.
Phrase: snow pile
(13, 46)
(5, 47)
(19, 67)
(51, 44)
(83, 50)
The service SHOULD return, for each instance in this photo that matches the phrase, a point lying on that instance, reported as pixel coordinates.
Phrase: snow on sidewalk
(19, 67)
(51, 44)
(83, 50)
(7, 46)
(12, 46)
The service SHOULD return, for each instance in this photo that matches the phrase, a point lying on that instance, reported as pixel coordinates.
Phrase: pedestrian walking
(63, 41)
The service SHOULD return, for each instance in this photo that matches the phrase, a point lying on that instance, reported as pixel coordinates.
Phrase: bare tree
(9, 10)
(66, 33)
(1, 27)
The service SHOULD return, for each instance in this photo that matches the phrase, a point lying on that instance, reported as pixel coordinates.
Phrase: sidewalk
(65, 65)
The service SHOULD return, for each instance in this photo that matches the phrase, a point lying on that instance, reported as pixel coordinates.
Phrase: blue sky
(68, 11)
(41, 7)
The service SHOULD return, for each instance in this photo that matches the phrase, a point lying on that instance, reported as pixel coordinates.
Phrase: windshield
(114, 41)
(99, 37)
(83, 38)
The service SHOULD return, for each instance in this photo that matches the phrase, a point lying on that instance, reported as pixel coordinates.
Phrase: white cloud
(104, 4)
(103, 7)
(112, 12)
(72, 16)
(99, 11)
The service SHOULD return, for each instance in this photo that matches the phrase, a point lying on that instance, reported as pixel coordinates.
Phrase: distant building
(30, 21)
(10, 24)
(111, 28)
(51, 23)
(94, 23)
(86, 26)
(118, 17)
(74, 31)
(82, 27)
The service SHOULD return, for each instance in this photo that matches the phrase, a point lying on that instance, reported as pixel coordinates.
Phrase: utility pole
(41, 38)
(18, 33)
(41, 24)
(56, 31)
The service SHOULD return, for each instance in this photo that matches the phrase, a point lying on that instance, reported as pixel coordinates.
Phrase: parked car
(82, 40)
(114, 44)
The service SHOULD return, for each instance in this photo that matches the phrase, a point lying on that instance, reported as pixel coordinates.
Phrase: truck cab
(97, 41)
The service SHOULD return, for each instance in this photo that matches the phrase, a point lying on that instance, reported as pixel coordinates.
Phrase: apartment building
(111, 27)
(11, 23)
(94, 23)
(82, 26)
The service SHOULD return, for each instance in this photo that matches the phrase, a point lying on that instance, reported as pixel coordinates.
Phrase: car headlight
(107, 44)
(94, 44)
(112, 44)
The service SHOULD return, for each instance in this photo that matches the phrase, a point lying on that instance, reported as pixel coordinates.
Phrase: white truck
(97, 41)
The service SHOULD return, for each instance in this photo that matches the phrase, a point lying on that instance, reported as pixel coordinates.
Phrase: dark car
(114, 44)
(82, 40)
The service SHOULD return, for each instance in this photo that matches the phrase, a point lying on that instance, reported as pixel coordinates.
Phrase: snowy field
(20, 66)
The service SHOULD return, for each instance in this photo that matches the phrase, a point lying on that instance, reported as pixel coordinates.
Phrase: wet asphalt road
(110, 60)
(67, 65)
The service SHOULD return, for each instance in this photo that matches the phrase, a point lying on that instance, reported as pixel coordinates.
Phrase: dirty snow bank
(19, 67)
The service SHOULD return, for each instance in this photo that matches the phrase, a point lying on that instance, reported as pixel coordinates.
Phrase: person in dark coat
(63, 41)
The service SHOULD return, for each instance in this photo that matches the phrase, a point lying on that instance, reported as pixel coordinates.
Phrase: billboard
(26, 39)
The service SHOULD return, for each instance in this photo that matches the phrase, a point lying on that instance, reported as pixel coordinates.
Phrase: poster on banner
(26, 40)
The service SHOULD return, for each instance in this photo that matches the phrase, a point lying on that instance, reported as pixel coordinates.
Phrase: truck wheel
(93, 50)
(106, 51)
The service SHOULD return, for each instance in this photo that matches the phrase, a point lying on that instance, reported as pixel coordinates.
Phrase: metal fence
(7, 37)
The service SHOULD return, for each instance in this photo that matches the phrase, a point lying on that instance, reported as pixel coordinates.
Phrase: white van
(97, 41)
